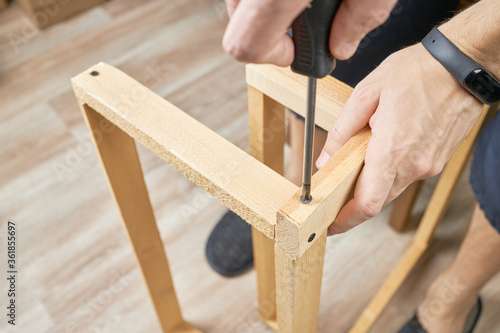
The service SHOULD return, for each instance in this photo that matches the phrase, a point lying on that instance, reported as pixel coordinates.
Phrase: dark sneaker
(229, 247)
(414, 326)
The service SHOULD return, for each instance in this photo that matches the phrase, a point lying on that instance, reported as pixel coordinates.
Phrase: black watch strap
(470, 74)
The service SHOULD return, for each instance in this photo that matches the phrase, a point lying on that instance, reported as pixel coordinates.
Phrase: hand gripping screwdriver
(311, 33)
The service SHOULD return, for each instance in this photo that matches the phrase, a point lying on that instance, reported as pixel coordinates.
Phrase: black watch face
(483, 85)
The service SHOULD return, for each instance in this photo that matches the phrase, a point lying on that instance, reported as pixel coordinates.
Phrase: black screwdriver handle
(311, 32)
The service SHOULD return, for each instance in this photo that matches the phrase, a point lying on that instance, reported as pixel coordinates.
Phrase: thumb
(353, 21)
(356, 114)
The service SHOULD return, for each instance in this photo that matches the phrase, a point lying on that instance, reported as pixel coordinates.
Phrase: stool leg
(402, 206)
(299, 288)
(121, 164)
(263, 256)
(267, 129)
(267, 139)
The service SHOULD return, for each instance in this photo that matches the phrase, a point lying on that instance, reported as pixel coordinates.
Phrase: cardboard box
(45, 13)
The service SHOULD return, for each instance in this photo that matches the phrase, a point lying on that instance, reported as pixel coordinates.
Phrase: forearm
(476, 32)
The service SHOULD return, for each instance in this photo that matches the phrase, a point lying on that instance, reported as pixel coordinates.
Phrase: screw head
(304, 200)
(311, 238)
(94, 73)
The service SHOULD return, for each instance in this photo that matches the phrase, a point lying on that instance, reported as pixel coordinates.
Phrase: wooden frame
(289, 236)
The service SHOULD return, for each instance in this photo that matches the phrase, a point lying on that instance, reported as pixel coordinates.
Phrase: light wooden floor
(77, 270)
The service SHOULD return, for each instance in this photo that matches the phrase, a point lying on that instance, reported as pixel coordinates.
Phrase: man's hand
(257, 29)
(418, 114)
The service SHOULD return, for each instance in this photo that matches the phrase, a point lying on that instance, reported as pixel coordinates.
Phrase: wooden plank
(44, 13)
(402, 206)
(121, 164)
(332, 187)
(252, 190)
(299, 288)
(267, 129)
(267, 140)
(263, 259)
(430, 221)
(289, 89)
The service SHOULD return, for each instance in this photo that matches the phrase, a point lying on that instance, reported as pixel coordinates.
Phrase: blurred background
(76, 269)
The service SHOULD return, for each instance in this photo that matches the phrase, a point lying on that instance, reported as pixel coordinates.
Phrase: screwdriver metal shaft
(308, 140)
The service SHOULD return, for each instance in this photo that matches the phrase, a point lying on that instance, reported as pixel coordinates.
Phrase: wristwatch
(470, 74)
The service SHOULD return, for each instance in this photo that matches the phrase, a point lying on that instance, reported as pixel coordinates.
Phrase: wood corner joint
(299, 225)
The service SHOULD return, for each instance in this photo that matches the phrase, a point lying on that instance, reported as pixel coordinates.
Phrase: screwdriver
(311, 33)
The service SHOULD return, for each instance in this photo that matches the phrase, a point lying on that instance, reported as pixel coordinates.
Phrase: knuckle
(373, 122)
(362, 20)
(335, 135)
(423, 168)
(377, 17)
(370, 208)
(238, 51)
(435, 170)
(363, 93)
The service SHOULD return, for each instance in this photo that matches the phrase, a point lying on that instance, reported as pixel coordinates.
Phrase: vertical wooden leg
(402, 206)
(267, 129)
(267, 139)
(121, 164)
(263, 256)
(299, 287)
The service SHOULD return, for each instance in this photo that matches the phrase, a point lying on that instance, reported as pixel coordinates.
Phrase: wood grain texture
(402, 206)
(289, 89)
(332, 184)
(239, 181)
(266, 119)
(120, 161)
(73, 247)
(332, 187)
(267, 142)
(299, 288)
(263, 259)
(49, 12)
(432, 217)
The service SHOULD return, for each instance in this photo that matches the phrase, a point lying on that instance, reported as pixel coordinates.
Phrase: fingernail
(322, 159)
(346, 50)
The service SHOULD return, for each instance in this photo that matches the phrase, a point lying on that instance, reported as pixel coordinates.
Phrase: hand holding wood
(418, 115)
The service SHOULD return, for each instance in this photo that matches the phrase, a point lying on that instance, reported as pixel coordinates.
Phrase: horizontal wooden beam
(289, 89)
(239, 181)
